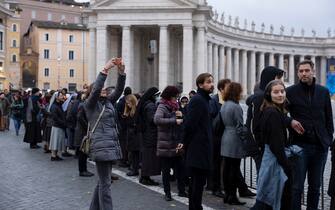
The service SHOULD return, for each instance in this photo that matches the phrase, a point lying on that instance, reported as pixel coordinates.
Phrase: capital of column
(201, 28)
(125, 27)
(101, 27)
(164, 26)
(189, 27)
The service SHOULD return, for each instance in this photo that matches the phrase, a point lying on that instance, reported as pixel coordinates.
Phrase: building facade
(9, 47)
(172, 41)
(37, 10)
(55, 55)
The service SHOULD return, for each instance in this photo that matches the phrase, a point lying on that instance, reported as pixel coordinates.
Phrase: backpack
(218, 126)
(249, 144)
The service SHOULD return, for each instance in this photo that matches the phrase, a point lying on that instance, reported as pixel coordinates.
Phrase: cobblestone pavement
(30, 181)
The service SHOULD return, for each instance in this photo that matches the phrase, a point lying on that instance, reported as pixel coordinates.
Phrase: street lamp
(58, 73)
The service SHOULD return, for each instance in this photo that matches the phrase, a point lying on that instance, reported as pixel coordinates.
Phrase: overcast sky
(308, 14)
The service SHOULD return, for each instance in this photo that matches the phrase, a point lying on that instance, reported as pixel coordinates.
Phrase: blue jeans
(312, 162)
(17, 124)
(102, 196)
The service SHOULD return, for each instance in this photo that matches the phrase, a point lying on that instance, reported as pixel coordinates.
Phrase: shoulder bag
(86, 142)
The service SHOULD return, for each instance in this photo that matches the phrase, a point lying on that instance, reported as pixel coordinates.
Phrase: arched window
(14, 43)
(14, 27)
(14, 58)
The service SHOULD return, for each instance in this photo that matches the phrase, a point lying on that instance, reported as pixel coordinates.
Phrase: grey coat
(235, 131)
(105, 142)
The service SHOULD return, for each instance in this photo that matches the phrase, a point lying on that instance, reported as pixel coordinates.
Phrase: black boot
(233, 200)
(246, 193)
(168, 197)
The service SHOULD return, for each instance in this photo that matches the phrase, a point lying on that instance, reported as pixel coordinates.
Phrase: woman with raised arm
(105, 146)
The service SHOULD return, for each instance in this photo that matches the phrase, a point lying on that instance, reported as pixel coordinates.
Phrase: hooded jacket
(255, 101)
(144, 117)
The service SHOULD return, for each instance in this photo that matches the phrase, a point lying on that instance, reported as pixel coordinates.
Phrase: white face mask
(157, 98)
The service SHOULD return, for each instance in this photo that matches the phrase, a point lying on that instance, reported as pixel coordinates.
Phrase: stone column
(236, 65)
(101, 48)
(252, 70)
(163, 57)
(244, 76)
(215, 62)
(127, 50)
(210, 57)
(261, 63)
(281, 61)
(221, 63)
(291, 70)
(323, 71)
(313, 60)
(301, 58)
(229, 64)
(202, 47)
(92, 57)
(188, 79)
(271, 59)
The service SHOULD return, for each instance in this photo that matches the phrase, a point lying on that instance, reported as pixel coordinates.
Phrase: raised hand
(110, 64)
(120, 66)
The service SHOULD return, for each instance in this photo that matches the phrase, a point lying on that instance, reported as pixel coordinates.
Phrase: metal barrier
(251, 182)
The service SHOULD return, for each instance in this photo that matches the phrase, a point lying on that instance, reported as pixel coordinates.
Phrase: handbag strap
(98, 120)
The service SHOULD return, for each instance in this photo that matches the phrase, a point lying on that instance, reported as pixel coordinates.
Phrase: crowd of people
(197, 139)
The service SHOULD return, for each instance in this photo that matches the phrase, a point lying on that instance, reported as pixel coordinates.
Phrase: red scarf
(172, 104)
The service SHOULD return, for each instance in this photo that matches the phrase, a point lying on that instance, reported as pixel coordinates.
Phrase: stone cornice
(49, 6)
(267, 39)
(104, 5)
(142, 10)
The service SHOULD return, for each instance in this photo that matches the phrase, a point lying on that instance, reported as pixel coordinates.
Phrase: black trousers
(134, 158)
(196, 187)
(214, 178)
(82, 161)
(175, 163)
(123, 145)
(231, 175)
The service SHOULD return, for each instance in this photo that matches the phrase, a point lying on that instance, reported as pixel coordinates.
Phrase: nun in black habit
(145, 123)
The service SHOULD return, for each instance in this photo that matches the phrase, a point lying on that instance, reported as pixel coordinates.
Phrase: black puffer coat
(169, 133)
(133, 137)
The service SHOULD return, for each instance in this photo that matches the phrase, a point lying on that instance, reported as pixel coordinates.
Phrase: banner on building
(331, 75)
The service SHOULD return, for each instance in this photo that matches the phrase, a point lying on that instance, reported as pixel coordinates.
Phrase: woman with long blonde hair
(130, 106)
(132, 139)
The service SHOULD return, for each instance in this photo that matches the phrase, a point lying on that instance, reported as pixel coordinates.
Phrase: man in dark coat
(122, 135)
(254, 103)
(80, 132)
(198, 139)
(310, 104)
(331, 188)
(33, 128)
